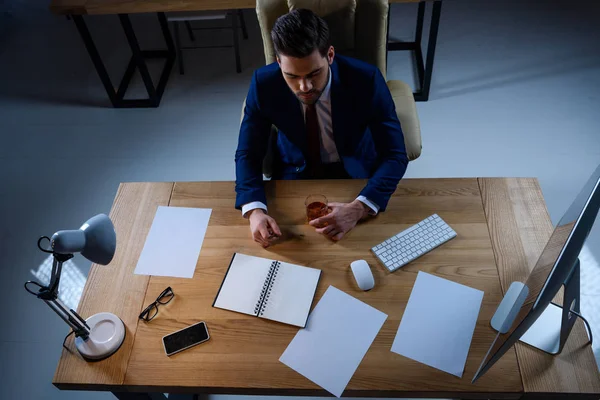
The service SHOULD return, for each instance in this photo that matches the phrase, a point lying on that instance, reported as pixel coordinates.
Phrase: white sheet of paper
(337, 336)
(173, 244)
(438, 323)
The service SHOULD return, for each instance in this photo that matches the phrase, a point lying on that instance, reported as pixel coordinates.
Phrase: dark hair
(299, 33)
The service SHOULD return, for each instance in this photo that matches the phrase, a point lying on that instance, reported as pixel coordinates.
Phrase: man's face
(307, 77)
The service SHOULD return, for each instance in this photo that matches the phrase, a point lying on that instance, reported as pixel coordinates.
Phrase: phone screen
(187, 337)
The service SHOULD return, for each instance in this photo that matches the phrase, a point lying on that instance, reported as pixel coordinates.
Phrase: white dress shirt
(329, 153)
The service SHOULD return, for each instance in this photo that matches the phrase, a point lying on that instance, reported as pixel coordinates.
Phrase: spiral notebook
(270, 289)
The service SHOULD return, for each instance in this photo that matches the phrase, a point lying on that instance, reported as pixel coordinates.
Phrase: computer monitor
(557, 265)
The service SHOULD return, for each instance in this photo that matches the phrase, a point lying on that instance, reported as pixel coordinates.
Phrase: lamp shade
(96, 240)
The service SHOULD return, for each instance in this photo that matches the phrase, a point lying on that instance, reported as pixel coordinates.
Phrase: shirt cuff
(374, 207)
(253, 206)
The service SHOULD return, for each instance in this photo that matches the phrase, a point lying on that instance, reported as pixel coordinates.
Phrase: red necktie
(313, 134)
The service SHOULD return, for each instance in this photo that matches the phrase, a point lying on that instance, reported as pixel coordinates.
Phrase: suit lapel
(339, 101)
(294, 119)
(294, 125)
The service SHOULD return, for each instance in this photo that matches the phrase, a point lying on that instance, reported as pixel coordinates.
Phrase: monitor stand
(551, 330)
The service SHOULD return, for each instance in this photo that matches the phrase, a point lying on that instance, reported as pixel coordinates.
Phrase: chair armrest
(406, 109)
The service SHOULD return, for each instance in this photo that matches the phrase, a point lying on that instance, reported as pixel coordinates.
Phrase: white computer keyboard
(413, 242)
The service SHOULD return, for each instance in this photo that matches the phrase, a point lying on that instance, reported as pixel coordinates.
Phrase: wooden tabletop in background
(490, 216)
(99, 7)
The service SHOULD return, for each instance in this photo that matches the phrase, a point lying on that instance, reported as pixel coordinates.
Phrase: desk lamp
(102, 334)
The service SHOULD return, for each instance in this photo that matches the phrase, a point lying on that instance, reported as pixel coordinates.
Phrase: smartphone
(185, 338)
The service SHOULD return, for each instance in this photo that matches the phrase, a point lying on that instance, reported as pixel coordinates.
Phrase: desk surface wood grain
(114, 288)
(242, 355)
(99, 7)
(520, 227)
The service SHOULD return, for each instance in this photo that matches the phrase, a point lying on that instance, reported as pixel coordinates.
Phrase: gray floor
(515, 93)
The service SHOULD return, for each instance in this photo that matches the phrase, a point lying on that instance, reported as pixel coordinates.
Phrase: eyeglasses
(164, 298)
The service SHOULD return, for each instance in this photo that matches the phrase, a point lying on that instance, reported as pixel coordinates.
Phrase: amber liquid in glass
(316, 210)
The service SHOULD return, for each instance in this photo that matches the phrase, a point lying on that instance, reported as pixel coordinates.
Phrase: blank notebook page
(292, 294)
(242, 285)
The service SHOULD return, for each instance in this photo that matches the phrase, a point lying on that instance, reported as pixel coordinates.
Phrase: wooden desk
(501, 224)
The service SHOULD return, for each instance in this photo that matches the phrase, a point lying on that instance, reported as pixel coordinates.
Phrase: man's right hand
(264, 228)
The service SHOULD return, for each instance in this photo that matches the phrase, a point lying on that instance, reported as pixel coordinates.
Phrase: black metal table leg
(96, 59)
(243, 23)
(236, 42)
(178, 47)
(170, 54)
(138, 60)
(188, 26)
(433, 33)
(418, 53)
(424, 69)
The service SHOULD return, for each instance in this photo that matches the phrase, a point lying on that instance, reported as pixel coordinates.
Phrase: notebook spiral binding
(265, 293)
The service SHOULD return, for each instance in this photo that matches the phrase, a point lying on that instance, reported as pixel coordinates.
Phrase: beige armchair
(358, 28)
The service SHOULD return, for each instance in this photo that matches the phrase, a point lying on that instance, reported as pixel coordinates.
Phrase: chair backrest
(358, 28)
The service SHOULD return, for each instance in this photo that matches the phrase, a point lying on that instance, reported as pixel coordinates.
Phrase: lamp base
(107, 335)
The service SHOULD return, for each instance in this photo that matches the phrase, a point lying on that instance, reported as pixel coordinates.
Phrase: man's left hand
(342, 218)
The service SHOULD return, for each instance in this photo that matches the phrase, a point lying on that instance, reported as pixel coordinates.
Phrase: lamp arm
(51, 291)
(50, 296)
(57, 263)
(71, 317)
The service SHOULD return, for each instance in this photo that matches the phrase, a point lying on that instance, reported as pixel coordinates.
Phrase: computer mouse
(362, 274)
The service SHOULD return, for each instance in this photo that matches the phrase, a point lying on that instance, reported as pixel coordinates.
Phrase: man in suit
(336, 119)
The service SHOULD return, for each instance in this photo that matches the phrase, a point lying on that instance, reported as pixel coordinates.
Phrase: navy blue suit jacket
(366, 131)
